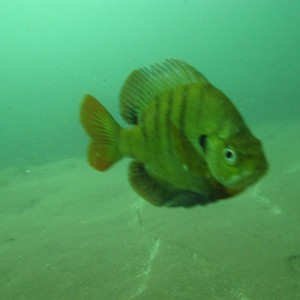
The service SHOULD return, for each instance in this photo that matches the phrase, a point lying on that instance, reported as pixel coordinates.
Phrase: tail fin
(103, 130)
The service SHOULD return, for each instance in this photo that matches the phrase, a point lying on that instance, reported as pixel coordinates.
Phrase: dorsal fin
(147, 84)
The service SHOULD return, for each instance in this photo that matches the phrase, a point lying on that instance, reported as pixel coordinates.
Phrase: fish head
(237, 161)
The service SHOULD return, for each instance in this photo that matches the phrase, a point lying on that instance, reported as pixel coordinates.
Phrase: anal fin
(185, 198)
(147, 186)
(160, 193)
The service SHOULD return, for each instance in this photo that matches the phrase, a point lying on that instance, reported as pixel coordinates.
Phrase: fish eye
(229, 156)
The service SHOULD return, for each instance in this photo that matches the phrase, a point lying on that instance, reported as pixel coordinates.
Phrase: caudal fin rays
(104, 132)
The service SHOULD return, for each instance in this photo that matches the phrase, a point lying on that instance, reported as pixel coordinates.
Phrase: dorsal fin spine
(147, 84)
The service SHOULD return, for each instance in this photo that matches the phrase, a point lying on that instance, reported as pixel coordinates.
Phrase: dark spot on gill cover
(203, 141)
(134, 119)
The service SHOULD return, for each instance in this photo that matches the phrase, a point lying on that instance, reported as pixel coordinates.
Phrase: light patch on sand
(293, 168)
(147, 267)
(276, 210)
(266, 202)
(138, 204)
(239, 295)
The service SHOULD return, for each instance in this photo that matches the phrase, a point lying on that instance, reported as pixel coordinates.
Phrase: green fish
(189, 144)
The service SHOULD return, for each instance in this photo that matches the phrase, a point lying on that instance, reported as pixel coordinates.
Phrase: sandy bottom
(69, 232)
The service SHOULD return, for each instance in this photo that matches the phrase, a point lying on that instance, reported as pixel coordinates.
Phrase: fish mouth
(243, 179)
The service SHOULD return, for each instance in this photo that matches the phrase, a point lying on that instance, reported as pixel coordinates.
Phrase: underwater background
(70, 232)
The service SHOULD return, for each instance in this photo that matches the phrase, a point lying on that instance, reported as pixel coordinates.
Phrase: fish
(188, 143)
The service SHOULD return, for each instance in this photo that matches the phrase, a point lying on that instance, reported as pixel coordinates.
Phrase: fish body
(188, 142)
